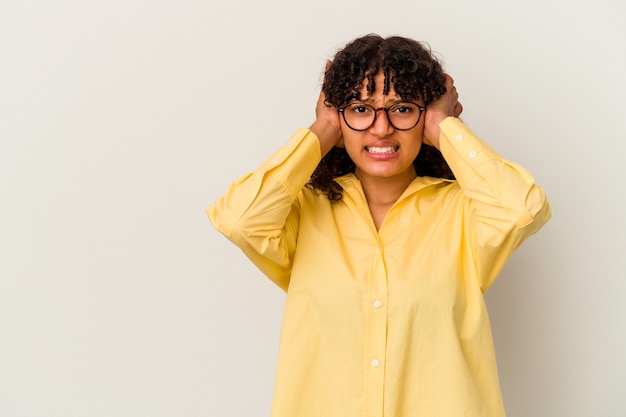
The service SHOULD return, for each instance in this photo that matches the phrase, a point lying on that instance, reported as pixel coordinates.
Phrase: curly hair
(414, 73)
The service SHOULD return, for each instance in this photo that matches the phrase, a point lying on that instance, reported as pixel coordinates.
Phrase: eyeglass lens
(402, 116)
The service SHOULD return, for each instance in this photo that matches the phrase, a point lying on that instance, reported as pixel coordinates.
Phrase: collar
(351, 185)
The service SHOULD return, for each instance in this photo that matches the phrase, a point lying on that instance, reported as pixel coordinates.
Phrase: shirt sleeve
(504, 205)
(259, 213)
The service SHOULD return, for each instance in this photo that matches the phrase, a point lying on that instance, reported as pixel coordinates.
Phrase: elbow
(536, 211)
(538, 206)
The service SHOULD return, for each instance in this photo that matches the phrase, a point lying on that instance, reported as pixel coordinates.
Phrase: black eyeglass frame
(421, 109)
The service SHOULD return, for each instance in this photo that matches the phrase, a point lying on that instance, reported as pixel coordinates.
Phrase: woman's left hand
(440, 109)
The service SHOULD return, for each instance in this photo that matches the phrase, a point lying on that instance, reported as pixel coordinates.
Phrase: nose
(381, 126)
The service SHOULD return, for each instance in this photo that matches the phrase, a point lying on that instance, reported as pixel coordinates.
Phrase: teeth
(381, 150)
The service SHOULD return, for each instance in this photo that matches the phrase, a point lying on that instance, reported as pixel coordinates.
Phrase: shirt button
(274, 160)
(377, 304)
(290, 143)
(473, 154)
(459, 137)
(375, 363)
(378, 251)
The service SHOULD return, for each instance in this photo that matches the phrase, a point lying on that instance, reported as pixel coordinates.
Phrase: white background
(120, 121)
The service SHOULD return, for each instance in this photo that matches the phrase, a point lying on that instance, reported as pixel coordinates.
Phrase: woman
(385, 222)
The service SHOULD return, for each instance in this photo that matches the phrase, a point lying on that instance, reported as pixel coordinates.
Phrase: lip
(382, 151)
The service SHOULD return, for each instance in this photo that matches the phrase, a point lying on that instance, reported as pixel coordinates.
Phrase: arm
(504, 205)
(260, 212)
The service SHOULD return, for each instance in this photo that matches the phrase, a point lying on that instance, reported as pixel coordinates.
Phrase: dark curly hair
(414, 73)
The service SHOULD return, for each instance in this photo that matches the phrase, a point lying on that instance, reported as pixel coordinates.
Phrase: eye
(359, 109)
(403, 109)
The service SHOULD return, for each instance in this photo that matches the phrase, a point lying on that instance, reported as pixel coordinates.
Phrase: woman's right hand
(327, 125)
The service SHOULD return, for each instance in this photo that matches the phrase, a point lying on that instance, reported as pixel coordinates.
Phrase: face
(383, 152)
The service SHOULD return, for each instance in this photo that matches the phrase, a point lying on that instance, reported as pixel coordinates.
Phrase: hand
(327, 126)
(445, 106)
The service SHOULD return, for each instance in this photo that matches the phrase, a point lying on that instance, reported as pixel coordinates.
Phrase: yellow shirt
(392, 322)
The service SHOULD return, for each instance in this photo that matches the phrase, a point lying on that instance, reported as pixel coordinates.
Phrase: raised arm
(504, 206)
(260, 211)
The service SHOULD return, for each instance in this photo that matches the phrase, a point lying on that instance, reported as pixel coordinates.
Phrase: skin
(384, 177)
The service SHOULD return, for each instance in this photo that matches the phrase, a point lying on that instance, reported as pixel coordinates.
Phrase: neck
(384, 190)
(382, 193)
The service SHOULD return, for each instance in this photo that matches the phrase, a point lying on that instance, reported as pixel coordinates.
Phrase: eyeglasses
(402, 116)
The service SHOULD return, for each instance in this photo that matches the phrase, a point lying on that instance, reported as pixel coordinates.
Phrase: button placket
(375, 349)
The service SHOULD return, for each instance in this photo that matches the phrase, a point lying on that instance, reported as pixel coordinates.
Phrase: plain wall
(120, 121)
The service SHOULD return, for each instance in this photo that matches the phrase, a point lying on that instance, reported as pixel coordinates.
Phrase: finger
(458, 109)
(449, 83)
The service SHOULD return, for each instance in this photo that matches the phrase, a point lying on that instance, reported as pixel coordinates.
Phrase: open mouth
(382, 150)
